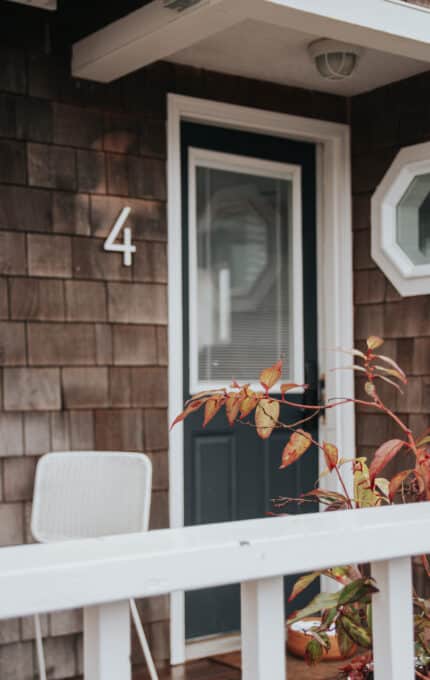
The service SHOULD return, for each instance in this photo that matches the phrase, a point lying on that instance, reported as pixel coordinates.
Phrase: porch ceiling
(264, 51)
(265, 39)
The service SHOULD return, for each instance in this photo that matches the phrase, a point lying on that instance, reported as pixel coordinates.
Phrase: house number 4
(126, 247)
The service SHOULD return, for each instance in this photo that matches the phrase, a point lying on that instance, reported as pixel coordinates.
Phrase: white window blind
(242, 305)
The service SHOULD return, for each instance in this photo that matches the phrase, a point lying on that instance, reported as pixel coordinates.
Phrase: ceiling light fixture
(333, 59)
(42, 4)
(180, 5)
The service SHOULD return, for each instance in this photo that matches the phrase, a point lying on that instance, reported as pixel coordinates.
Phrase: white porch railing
(102, 574)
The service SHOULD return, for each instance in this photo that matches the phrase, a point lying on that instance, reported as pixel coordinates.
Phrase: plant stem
(420, 675)
(343, 485)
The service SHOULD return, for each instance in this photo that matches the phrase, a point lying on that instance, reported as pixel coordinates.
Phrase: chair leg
(39, 648)
(143, 641)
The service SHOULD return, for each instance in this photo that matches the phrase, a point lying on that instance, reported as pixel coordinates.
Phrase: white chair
(88, 494)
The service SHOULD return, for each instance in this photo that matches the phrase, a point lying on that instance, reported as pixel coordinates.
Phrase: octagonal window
(413, 220)
(401, 221)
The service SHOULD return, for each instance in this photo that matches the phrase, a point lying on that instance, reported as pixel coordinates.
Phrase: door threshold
(201, 648)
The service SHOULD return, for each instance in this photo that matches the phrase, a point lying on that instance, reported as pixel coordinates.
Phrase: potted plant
(349, 610)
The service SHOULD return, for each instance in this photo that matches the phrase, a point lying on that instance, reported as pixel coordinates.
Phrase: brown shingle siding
(137, 303)
(383, 122)
(71, 213)
(134, 345)
(40, 300)
(53, 167)
(147, 218)
(13, 258)
(31, 389)
(49, 255)
(85, 301)
(56, 344)
(25, 209)
(85, 388)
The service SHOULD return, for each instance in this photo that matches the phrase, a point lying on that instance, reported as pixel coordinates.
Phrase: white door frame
(335, 301)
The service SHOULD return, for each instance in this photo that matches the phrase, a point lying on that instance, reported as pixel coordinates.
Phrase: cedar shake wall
(383, 122)
(83, 349)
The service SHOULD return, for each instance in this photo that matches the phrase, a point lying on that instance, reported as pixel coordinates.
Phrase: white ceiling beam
(148, 35)
(385, 25)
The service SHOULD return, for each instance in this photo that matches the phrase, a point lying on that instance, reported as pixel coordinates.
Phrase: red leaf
(383, 455)
(248, 404)
(266, 417)
(270, 376)
(192, 406)
(286, 387)
(331, 455)
(212, 407)
(426, 565)
(397, 481)
(389, 381)
(232, 406)
(392, 363)
(299, 443)
(392, 372)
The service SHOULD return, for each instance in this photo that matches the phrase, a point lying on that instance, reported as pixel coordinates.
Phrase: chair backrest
(87, 494)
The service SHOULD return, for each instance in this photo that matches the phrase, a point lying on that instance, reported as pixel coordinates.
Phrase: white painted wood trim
(52, 577)
(392, 27)
(149, 34)
(153, 32)
(249, 166)
(202, 648)
(335, 273)
(263, 629)
(107, 647)
(402, 3)
(392, 617)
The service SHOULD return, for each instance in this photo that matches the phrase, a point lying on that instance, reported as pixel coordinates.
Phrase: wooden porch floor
(227, 667)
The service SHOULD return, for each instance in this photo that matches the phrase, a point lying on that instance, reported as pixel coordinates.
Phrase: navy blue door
(241, 295)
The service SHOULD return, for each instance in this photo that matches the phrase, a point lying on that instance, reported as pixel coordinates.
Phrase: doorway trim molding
(335, 300)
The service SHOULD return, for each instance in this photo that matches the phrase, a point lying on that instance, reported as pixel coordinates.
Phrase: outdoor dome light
(180, 5)
(334, 60)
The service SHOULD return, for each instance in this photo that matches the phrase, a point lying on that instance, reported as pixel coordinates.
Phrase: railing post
(107, 642)
(392, 614)
(263, 629)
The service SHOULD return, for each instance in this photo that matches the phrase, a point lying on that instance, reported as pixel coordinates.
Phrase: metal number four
(126, 247)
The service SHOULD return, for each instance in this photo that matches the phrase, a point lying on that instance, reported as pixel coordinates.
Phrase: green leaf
(369, 617)
(357, 634)
(344, 641)
(328, 617)
(302, 583)
(313, 653)
(319, 603)
(357, 591)
(424, 441)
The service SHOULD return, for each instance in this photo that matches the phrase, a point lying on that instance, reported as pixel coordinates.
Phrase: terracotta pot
(297, 640)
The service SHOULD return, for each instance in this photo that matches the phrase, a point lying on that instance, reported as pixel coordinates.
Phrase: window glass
(243, 226)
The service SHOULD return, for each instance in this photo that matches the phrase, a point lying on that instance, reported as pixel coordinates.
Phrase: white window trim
(408, 278)
(250, 166)
(335, 302)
